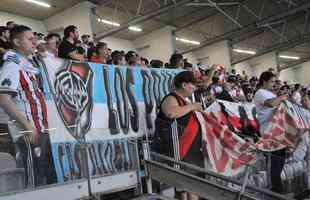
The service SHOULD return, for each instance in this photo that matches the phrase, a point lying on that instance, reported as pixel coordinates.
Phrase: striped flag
(227, 152)
(286, 127)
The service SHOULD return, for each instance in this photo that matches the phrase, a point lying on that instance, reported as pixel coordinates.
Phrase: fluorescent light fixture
(134, 28)
(108, 22)
(187, 41)
(244, 51)
(289, 57)
(39, 3)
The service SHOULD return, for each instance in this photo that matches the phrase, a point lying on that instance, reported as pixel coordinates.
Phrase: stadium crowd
(18, 44)
(229, 86)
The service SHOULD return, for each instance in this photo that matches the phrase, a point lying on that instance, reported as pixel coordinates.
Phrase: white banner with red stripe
(228, 152)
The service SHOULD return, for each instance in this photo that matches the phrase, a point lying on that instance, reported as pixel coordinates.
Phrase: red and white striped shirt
(18, 78)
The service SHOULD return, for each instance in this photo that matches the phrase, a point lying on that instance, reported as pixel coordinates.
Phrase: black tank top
(163, 137)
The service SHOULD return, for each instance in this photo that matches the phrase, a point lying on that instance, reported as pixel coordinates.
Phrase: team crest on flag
(73, 87)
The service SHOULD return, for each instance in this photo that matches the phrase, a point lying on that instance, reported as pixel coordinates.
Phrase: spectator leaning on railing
(266, 102)
(22, 99)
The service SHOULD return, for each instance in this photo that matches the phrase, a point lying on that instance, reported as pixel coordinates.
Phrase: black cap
(130, 54)
(231, 79)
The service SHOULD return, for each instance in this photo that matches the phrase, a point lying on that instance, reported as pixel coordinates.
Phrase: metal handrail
(213, 174)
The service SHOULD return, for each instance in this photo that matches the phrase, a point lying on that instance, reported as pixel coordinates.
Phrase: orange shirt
(96, 59)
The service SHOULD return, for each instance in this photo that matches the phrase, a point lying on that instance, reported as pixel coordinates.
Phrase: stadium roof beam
(197, 20)
(267, 25)
(132, 13)
(293, 64)
(142, 18)
(248, 28)
(215, 12)
(279, 46)
(260, 31)
(213, 4)
(285, 14)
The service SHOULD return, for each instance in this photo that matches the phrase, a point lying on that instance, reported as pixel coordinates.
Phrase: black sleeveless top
(164, 141)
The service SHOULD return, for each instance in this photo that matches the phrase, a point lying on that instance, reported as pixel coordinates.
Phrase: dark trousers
(277, 163)
(6, 144)
(43, 166)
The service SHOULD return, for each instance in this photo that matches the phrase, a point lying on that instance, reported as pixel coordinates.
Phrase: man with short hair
(116, 58)
(11, 24)
(67, 49)
(56, 36)
(22, 99)
(51, 45)
(226, 94)
(132, 58)
(85, 43)
(5, 45)
(176, 61)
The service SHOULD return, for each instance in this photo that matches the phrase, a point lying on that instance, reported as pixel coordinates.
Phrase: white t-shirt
(263, 112)
(297, 98)
(216, 89)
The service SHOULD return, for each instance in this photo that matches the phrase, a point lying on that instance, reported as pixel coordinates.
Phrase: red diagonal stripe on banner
(222, 118)
(290, 120)
(228, 141)
(244, 147)
(188, 136)
(243, 159)
(235, 121)
(213, 130)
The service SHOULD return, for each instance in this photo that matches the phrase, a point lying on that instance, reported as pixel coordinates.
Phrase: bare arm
(274, 102)
(2, 50)
(208, 80)
(10, 108)
(172, 109)
(306, 101)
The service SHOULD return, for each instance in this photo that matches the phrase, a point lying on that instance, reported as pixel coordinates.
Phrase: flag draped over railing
(285, 128)
(229, 150)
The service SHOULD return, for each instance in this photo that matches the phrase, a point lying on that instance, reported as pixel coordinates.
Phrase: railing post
(146, 156)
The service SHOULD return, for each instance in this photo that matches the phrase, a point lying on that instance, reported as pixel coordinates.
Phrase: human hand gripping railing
(27, 149)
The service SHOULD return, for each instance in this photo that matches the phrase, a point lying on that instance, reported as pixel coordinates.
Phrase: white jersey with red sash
(18, 78)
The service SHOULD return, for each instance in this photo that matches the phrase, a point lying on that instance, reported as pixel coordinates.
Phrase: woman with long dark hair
(266, 102)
